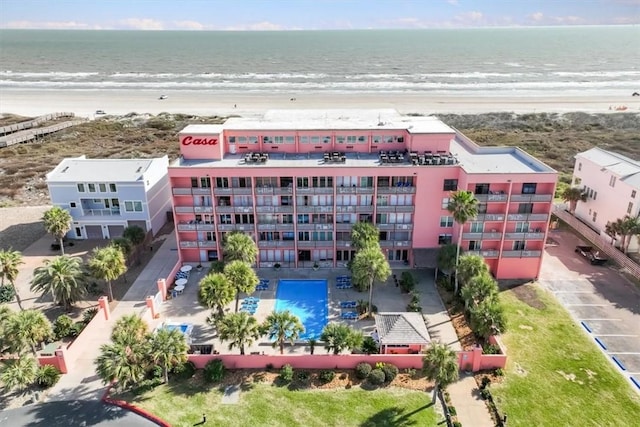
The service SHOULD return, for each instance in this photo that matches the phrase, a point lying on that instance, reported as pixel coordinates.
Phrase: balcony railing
(402, 243)
(275, 243)
(203, 209)
(182, 191)
(345, 209)
(184, 209)
(207, 244)
(101, 212)
(226, 227)
(304, 190)
(527, 217)
(242, 190)
(224, 209)
(188, 244)
(347, 190)
(490, 253)
(206, 227)
(404, 226)
(405, 208)
(315, 243)
(531, 197)
(283, 190)
(284, 227)
(266, 227)
(343, 226)
(245, 227)
(490, 198)
(283, 209)
(314, 209)
(265, 209)
(396, 190)
(364, 190)
(343, 243)
(364, 209)
(243, 209)
(521, 254)
(323, 190)
(186, 227)
(201, 191)
(386, 226)
(490, 217)
(482, 236)
(222, 190)
(386, 243)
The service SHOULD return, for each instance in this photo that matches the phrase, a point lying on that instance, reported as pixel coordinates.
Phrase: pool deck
(186, 308)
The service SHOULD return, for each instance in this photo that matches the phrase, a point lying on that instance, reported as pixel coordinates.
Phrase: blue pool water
(307, 299)
(183, 328)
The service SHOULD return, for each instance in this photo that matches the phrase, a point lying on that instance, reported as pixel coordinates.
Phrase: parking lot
(601, 300)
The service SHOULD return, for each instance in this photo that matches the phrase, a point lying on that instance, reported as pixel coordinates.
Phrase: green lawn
(555, 375)
(263, 405)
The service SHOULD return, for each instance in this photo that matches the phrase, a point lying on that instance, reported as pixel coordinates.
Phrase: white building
(106, 195)
(612, 184)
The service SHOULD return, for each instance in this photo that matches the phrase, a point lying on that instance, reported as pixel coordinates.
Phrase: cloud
(404, 23)
(569, 20)
(189, 25)
(141, 24)
(469, 18)
(257, 26)
(51, 25)
(453, 2)
(537, 17)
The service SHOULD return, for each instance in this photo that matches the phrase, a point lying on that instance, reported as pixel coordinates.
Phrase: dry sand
(85, 103)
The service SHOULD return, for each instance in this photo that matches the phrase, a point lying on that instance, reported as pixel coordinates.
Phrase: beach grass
(555, 375)
(183, 404)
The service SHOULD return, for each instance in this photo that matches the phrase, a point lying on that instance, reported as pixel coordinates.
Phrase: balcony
(186, 227)
(396, 190)
(325, 227)
(386, 243)
(521, 254)
(482, 236)
(243, 209)
(527, 198)
(345, 209)
(402, 244)
(188, 244)
(221, 191)
(386, 226)
(245, 227)
(525, 236)
(364, 190)
(490, 217)
(404, 226)
(304, 190)
(527, 217)
(405, 208)
(181, 191)
(201, 191)
(207, 244)
(315, 244)
(203, 209)
(269, 243)
(101, 212)
(205, 227)
(283, 209)
(184, 209)
(224, 209)
(283, 190)
(265, 209)
(364, 209)
(242, 191)
(490, 253)
(343, 243)
(323, 190)
(314, 209)
(284, 227)
(226, 227)
(264, 190)
(344, 226)
(347, 190)
(266, 227)
(385, 208)
(491, 198)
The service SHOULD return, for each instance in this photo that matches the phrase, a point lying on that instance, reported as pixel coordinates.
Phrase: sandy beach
(116, 102)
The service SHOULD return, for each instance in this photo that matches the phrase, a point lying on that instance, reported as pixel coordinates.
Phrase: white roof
(401, 328)
(99, 170)
(622, 166)
(347, 119)
(202, 129)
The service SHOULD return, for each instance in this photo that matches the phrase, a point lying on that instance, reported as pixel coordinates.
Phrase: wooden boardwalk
(28, 131)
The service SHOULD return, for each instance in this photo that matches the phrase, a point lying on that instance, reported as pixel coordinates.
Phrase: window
(205, 182)
(222, 182)
(482, 189)
(630, 207)
(225, 219)
(580, 166)
(302, 182)
(102, 188)
(518, 245)
(612, 181)
(444, 239)
(591, 193)
(132, 206)
(525, 208)
(445, 203)
(446, 221)
(81, 188)
(595, 216)
(482, 208)
(72, 204)
(595, 195)
(633, 194)
(232, 140)
(476, 227)
(304, 140)
(529, 188)
(112, 188)
(475, 245)
(450, 185)
(92, 188)
(522, 227)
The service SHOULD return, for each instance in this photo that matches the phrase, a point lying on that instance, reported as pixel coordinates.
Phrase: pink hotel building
(297, 181)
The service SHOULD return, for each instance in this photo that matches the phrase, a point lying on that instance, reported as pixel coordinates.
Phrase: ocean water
(469, 62)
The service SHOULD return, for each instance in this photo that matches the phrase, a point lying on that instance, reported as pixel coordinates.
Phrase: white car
(163, 97)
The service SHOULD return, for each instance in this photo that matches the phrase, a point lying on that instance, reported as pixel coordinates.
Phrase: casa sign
(189, 140)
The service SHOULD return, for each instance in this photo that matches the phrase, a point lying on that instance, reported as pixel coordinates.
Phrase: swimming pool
(307, 299)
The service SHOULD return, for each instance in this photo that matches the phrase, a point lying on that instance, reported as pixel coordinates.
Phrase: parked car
(592, 255)
(100, 112)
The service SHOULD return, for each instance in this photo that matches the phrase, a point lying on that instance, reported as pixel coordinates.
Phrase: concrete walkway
(81, 382)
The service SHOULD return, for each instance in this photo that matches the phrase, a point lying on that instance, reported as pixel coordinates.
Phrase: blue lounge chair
(349, 315)
(348, 304)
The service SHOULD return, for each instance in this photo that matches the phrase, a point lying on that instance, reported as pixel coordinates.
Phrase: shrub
(407, 282)
(63, 327)
(485, 382)
(326, 376)
(89, 314)
(47, 376)
(499, 372)
(411, 372)
(376, 376)
(214, 371)
(491, 349)
(156, 372)
(216, 267)
(452, 410)
(485, 394)
(184, 370)
(147, 385)
(390, 372)
(457, 424)
(303, 376)
(7, 293)
(363, 370)
(269, 367)
(286, 373)
(369, 346)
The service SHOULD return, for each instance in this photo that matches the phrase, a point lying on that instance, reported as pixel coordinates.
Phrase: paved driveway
(602, 301)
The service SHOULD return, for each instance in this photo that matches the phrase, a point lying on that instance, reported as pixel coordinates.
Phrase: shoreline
(120, 102)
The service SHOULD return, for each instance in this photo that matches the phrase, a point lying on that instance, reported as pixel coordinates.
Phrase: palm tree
(364, 234)
(611, 230)
(242, 278)
(63, 277)
(470, 266)
(5, 314)
(488, 318)
(57, 221)
(168, 348)
(440, 365)
(240, 329)
(122, 363)
(216, 292)
(370, 265)
(134, 234)
(338, 337)
(628, 227)
(9, 262)
(446, 259)
(123, 244)
(463, 206)
(18, 373)
(281, 326)
(479, 289)
(129, 330)
(27, 328)
(107, 264)
(573, 195)
(240, 247)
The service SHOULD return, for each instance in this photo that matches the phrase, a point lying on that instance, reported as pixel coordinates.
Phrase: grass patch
(555, 375)
(183, 403)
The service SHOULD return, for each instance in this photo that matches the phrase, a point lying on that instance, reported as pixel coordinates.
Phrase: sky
(260, 15)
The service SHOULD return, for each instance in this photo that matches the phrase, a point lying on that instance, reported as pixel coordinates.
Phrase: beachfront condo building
(611, 183)
(104, 196)
(297, 182)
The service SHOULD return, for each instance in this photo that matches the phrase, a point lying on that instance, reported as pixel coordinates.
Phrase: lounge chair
(348, 304)
(349, 315)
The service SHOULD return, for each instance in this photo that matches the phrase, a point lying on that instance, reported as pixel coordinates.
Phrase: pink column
(103, 302)
(152, 306)
(477, 358)
(62, 365)
(162, 287)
